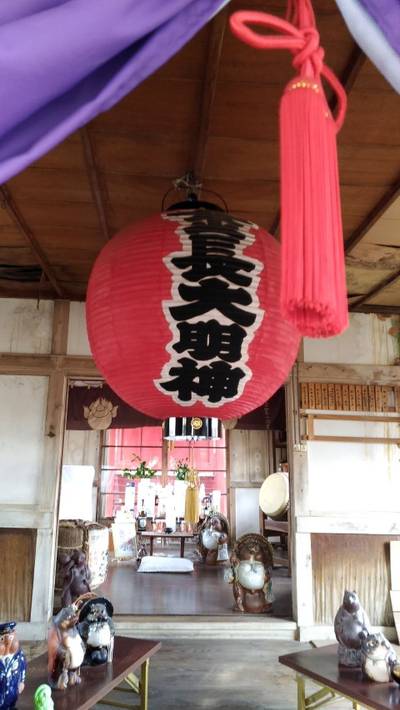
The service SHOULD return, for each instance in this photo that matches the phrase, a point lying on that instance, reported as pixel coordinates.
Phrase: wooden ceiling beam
(383, 310)
(377, 211)
(380, 286)
(352, 374)
(42, 295)
(7, 203)
(349, 74)
(275, 224)
(214, 51)
(347, 79)
(94, 181)
(39, 364)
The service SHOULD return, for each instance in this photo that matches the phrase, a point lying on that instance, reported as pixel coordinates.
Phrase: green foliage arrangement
(182, 469)
(142, 470)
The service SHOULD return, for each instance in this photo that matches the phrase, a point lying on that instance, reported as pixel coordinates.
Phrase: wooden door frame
(42, 515)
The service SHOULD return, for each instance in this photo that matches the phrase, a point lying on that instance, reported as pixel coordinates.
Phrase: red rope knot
(302, 42)
(309, 60)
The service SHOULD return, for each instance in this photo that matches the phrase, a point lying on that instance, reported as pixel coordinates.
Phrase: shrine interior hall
(131, 133)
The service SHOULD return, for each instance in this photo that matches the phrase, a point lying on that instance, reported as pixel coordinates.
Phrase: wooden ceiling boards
(212, 109)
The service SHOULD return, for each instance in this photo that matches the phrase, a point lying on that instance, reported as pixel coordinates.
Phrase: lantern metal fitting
(192, 428)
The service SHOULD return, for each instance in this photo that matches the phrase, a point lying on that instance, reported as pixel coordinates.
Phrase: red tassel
(313, 286)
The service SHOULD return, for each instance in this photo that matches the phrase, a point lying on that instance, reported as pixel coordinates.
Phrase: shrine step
(205, 627)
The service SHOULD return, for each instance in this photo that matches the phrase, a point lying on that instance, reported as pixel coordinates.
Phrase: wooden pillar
(230, 493)
(43, 583)
(300, 549)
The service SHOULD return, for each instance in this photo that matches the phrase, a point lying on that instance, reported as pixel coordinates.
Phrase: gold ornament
(196, 423)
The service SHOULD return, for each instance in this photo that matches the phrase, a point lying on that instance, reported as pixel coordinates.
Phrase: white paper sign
(124, 539)
(76, 499)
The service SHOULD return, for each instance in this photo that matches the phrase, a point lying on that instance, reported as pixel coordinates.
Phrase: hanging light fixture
(183, 314)
(192, 428)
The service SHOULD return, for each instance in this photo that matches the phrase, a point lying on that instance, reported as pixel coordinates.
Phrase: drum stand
(272, 528)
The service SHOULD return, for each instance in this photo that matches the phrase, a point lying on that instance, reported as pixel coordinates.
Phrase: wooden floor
(204, 592)
(224, 674)
(228, 675)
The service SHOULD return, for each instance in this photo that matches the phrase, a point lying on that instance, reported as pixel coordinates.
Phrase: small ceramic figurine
(12, 666)
(351, 625)
(213, 538)
(251, 566)
(76, 576)
(378, 658)
(42, 699)
(66, 649)
(97, 630)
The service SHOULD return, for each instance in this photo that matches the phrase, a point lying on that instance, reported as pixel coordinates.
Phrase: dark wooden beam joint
(7, 203)
(377, 211)
(215, 43)
(349, 74)
(376, 289)
(26, 364)
(94, 181)
(275, 224)
(373, 308)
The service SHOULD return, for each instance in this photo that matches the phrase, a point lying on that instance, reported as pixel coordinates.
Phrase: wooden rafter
(359, 305)
(35, 291)
(38, 364)
(59, 342)
(377, 211)
(12, 210)
(347, 79)
(349, 374)
(215, 42)
(275, 224)
(18, 289)
(94, 180)
(349, 74)
(384, 283)
(382, 310)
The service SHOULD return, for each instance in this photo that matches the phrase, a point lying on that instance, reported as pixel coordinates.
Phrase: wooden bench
(98, 681)
(321, 666)
(182, 536)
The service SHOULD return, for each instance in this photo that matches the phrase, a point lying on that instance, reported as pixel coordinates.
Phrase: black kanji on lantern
(213, 294)
(213, 381)
(214, 257)
(211, 276)
(210, 339)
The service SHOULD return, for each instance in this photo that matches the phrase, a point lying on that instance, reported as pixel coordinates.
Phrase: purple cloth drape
(62, 62)
(372, 40)
(386, 14)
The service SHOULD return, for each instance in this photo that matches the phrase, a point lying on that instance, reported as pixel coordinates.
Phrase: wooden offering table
(321, 666)
(98, 681)
(166, 536)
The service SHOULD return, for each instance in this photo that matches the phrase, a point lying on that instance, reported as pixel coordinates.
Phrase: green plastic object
(42, 699)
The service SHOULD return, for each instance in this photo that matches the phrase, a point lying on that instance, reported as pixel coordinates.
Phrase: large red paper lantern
(183, 315)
